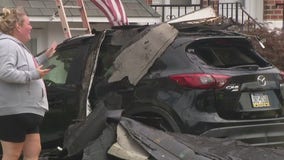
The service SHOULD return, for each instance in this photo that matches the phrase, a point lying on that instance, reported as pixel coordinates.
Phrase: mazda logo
(261, 80)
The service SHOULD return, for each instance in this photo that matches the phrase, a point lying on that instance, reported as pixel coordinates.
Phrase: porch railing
(238, 14)
(234, 11)
(168, 11)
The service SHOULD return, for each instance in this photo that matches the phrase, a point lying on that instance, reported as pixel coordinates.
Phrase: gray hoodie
(21, 88)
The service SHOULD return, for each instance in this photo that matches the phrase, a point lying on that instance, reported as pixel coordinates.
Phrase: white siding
(255, 9)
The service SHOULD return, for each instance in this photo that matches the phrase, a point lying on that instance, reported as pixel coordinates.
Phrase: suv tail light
(200, 80)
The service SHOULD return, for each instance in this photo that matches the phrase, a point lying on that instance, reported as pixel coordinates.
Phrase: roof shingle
(46, 8)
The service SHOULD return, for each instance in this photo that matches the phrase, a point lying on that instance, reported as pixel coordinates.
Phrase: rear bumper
(260, 134)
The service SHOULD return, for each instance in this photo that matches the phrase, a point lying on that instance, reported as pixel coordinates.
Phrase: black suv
(206, 81)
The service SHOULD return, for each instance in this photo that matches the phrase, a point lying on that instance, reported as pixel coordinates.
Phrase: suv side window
(69, 64)
(59, 73)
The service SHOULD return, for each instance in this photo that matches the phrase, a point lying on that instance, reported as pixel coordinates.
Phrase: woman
(23, 100)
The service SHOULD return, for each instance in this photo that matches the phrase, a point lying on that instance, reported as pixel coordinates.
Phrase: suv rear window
(225, 53)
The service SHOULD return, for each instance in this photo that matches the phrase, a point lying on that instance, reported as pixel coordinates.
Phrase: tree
(273, 41)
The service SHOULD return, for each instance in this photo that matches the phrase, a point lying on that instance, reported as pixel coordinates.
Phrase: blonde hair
(10, 17)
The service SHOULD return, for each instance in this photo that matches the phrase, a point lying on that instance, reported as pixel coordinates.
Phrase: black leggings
(13, 128)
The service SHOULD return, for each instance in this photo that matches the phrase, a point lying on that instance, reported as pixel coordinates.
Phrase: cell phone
(51, 66)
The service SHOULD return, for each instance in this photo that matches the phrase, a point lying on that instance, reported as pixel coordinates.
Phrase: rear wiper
(247, 66)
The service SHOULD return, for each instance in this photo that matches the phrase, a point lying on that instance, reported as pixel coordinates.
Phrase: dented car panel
(206, 79)
(201, 82)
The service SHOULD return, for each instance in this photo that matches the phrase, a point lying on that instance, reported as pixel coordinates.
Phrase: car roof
(194, 31)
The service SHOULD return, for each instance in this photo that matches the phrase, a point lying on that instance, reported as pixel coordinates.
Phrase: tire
(154, 116)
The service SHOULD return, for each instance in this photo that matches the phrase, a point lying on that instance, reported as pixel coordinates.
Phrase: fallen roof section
(175, 146)
(147, 46)
(196, 16)
(111, 134)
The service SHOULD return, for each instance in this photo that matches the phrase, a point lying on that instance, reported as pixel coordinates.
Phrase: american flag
(113, 10)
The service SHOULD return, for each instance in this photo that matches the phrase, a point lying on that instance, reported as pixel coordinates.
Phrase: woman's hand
(42, 72)
(51, 50)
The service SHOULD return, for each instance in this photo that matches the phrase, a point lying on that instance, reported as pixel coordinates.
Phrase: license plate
(260, 100)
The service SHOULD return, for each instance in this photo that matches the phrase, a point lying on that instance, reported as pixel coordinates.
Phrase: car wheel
(154, 116)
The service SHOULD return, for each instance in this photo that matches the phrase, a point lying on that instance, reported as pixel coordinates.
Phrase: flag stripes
(113, 10)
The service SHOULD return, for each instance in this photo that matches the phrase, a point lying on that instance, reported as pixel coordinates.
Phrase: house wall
(40, 35)
(273, 15)
(44, 33)
(271, 12)
(149, 2)
(254, 8)
(159, 1)
(264, 11)
(209, 2)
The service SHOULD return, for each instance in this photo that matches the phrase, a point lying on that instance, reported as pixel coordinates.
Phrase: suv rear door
(68, 84)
